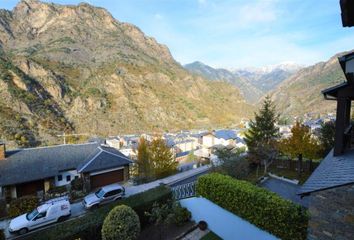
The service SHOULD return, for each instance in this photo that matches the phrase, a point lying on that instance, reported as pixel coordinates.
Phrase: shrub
(180, 215)
(22, 205)
(2, 234)
(88, 227)
(57, 190)
(77, 184)
(121, 223)
(3, 212)
(264, 209)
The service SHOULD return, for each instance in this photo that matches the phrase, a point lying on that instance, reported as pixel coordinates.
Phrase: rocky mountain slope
(77, 69)
(301, 93)
(250, 92)
(254, 83)
(269, 77)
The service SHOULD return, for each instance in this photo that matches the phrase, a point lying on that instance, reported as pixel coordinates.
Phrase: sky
(236, 33)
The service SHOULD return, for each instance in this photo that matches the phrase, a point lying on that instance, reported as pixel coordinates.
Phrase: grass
(290, 174)
(253, 177)
(211, 236)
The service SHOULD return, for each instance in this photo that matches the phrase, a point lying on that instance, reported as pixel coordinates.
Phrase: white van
(54, 210)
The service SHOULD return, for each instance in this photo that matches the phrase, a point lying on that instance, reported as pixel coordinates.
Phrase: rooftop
(334, 171)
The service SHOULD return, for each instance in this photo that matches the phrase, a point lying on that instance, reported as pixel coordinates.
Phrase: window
(41, 215)
(68, 178)
(60, 177)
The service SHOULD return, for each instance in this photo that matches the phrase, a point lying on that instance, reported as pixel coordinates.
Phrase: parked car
(104, 195)
(51, 211)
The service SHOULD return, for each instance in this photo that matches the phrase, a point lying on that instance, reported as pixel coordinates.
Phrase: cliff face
(77, 69)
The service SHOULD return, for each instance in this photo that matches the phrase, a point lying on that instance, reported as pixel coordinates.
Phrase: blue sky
(236, 33)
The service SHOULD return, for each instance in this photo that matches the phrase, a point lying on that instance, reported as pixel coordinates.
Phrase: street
(78, 210)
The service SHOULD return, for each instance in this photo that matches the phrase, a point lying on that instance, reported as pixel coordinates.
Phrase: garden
(148, 215)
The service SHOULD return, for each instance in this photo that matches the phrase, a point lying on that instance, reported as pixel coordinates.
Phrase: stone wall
(332, 214)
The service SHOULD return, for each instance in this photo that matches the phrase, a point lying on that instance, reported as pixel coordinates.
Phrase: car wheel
(94, 207)
(60, 219)
(23, 231)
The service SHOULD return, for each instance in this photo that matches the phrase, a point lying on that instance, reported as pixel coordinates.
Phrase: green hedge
(264, 209)
(89, 225)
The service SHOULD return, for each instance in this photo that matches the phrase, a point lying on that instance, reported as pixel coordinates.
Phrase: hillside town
(105, 134)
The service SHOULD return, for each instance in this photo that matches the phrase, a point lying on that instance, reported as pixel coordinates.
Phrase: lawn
(290, 174)
(281, 172)
(211, 236)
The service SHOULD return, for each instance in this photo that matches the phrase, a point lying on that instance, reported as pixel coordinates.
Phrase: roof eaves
(126, 158)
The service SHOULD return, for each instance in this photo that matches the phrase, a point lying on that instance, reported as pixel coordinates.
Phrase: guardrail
(184, 191)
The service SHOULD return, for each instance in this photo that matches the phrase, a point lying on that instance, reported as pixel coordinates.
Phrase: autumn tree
(301, 143)
(144, 168)
(262, 134)
(161, 158)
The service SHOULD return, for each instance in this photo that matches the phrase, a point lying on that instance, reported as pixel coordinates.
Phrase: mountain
(252, 82)
(269, 77)
(77, 69)
(250, 92)
(301, 93)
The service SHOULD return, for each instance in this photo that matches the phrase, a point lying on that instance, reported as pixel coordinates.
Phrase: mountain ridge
(252, 82)
(75, 68)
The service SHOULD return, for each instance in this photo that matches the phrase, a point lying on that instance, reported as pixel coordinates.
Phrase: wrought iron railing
(184, 191)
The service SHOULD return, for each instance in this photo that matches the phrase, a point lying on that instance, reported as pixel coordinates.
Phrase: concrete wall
(64, 175)
(332, 214)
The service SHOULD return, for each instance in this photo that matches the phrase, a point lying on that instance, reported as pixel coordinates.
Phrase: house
(219, 137)
(34, 171)
(331, 185)
(182, 156)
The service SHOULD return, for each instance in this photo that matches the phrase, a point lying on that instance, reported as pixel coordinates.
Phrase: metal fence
(184, 191)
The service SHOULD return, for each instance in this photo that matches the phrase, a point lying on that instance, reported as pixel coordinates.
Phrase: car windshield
(100, 193)
(32, 214)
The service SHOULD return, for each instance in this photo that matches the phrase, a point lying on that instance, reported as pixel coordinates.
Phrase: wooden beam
(340, 126)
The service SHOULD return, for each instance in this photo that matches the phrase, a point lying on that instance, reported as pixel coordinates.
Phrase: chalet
(331, 186)
(34, 171)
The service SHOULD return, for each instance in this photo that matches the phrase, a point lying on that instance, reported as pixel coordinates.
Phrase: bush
(22, 205)
(122, 223)
(3, 212)
(77, 184)
(264, 209)
(180, 215)
(88, 227)
(57, 190)
(2, 234)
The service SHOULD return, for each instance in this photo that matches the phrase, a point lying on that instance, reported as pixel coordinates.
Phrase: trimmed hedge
(121, 223)
(260, 207)
(89, 225)
(22, 205)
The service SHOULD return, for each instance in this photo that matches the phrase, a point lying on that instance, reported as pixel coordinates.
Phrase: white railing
(184, 191)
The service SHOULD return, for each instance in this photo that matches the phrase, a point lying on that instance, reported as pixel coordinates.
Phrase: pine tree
(144, 167)
(161, 158)
(262, 134)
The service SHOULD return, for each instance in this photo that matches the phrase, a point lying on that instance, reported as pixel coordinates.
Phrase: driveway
(77, 209)
(286, 190)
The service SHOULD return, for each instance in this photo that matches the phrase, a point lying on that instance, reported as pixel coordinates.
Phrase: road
(77, 209)
(188, 180)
